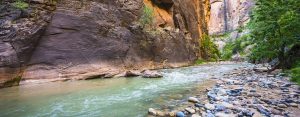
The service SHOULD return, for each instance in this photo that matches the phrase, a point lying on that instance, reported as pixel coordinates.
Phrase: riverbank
(243, 92)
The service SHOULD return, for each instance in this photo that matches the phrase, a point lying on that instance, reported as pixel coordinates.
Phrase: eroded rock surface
(229, 15)
(20, 31)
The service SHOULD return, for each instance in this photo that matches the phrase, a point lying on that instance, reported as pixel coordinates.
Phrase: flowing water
(117, 97)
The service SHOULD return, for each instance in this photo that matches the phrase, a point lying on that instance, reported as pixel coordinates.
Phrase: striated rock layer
(86, 39)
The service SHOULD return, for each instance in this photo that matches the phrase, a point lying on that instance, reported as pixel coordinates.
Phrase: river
(116, 97)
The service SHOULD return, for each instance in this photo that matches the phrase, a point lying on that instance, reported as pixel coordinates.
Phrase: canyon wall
(86, 39)
(229, 15)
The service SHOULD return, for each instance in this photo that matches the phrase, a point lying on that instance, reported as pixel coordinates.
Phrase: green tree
(275, 27)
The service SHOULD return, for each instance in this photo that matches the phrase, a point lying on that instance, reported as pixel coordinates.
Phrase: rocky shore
(248, 91)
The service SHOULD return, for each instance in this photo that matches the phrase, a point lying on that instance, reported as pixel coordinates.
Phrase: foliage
(224, 35)
(208, 48)
(147, 16)
(240, 29)
(236, 46)
(296, 73)
(199, 62)
(274, 26)
(20, 4)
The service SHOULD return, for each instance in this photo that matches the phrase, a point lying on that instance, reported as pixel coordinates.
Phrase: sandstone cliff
(84, 39)
(229, 15)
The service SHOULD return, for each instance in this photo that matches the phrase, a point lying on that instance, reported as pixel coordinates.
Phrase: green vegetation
(209, 49)
(295, 73)
(237, 46)
(13, 82)
(20, 4)
(275, 27)
(225, 35)
(199, 62)
(147, 16)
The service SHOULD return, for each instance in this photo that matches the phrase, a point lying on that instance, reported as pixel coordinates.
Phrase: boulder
(152, 111)
(151, 74)
(261, 69)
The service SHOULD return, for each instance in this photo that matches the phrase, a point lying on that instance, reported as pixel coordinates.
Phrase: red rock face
(100, 38)
(103, 37)
(228, 15)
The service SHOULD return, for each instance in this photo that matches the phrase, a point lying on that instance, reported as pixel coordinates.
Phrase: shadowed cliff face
(83, 39)
(103, 38)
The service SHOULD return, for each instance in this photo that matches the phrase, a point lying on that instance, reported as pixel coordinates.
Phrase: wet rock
(234, 92)
(275, 112)
(227, 105)
(246, 112)
(286, 85)
(209, 114)
(293, 104)
(254, 95)
(152, 111)
(151, 74)
(211, 95)
(220, 114)
(195, 115)
(263, 110)
(261, 69)
(209, 106)
(278, 116)
(180, 114)
(160, 114)
(220, 107)
(282, 105)
(199, 105)
(172, 114)
(190, 110)
(132, 73)
(252, 90)
(193, 99)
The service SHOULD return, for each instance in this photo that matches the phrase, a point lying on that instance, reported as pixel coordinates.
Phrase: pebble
(220, 114)
(172, 114)
(220, 107)
(195, 115)
(227, 105)
(294, 104)
(190, 110)
(199, 105)
(263, 110)
(228, 97)
(209, 106)
(282, 105)
(180, 114)
(160, 114)
(193, 99)
(275, 111)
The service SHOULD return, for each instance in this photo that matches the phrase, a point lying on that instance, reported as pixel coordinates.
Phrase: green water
(118, 97)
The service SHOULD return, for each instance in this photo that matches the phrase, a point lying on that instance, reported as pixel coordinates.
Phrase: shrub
(295, 73)
(147, 16)
(236, 46)
(209, 49)
(20, 4)
(199, 62)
